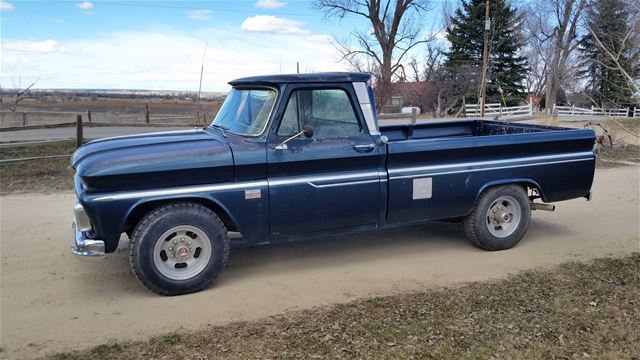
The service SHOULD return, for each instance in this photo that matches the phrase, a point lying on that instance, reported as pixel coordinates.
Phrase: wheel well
(141, 210)
(532, 188)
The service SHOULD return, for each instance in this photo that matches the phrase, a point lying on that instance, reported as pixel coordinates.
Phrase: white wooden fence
(500, 112)
(577, 113)
(636, 112)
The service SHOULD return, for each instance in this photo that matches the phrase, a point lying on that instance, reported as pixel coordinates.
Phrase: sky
(159, 45)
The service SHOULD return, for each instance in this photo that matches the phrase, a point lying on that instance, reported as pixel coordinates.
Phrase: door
(330, 180)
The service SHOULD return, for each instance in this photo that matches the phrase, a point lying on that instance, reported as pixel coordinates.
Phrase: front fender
(113, 214)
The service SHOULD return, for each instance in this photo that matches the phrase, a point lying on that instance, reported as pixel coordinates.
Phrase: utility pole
(485, 58)
(297, 67)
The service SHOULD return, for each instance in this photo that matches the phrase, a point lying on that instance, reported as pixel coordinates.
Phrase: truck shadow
(355, 248)
(429, 240)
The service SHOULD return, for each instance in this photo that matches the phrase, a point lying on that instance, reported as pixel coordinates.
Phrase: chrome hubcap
(503, 216)
(182, 252)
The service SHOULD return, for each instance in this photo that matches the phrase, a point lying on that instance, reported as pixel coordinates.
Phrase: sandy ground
(53, 302)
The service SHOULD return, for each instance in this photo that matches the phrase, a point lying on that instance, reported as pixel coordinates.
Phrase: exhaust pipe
(545, 207)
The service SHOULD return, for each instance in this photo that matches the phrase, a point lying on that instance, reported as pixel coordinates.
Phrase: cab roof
(329, 77)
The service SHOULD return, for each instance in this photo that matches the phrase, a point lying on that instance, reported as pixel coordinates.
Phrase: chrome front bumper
(85, 247)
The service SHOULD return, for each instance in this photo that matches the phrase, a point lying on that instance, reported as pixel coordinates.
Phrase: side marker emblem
(252, 194)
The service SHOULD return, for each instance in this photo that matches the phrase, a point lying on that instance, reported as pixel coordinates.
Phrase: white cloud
(163, 59)
(272, 24)
(6, 6)
(270, 4)
(85, 5)
(200, 14)
(26, 46)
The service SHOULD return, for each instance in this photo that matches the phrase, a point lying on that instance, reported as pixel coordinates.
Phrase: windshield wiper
(222, 129)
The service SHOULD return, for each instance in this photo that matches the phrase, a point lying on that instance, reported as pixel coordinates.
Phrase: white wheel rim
(182, 252)
(503, 216)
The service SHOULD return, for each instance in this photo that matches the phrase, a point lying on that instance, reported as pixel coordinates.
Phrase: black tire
(146, 238)
(477, 224)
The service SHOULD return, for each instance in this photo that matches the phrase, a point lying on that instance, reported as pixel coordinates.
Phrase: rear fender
(519, 181)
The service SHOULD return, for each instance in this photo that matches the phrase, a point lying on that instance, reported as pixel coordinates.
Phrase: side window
(329, 111)
(290, 125)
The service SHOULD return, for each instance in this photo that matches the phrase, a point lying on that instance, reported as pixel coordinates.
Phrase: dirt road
(53, 302)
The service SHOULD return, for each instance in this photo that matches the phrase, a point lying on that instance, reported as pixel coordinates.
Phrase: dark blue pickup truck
(298, 156)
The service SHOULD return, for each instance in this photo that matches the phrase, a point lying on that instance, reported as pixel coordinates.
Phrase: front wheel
(178, 248)
(499, 218)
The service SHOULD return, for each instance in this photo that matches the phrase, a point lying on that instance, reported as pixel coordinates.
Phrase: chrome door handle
(364, 148)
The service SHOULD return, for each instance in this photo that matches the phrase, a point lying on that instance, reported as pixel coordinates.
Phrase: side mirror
(307, 131)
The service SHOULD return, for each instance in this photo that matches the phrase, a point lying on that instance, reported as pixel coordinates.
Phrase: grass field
(576, 311)
(46, 175)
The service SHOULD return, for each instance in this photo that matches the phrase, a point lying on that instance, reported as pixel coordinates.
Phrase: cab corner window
(328, 111)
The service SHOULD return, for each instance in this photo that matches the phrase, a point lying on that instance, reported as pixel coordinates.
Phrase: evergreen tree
(507, 67)
(605, 82)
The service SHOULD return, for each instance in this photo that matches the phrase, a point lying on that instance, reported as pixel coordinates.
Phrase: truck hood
(153, 160)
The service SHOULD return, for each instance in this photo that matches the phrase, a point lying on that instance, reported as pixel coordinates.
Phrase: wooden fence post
(146, 113)
(89, 115)
(24, 118)
(79, 135)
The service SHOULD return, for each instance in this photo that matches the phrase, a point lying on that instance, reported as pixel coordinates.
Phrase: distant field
(39, 111)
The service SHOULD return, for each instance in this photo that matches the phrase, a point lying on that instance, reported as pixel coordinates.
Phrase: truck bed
(458, 128)
(458, 159)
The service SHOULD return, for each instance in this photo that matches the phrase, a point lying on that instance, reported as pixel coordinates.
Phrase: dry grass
(577, 310)
(46, 175)
(618, 155)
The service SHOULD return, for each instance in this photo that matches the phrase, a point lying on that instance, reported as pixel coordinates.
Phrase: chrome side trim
(488, 168)
(471, 166)
(183, 190)
(345, 183)
(313, 180)
(365, 105)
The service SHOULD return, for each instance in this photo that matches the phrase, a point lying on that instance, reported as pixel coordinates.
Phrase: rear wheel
(178, 248)
(499, 218)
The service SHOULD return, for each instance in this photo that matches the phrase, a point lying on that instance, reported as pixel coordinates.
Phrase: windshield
(245, 111)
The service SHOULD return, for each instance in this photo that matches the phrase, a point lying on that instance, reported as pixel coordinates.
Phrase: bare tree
(452, 86)
(11, 97)
(395, 29)
(629, 41)
(565, 15)
(432, 60)
(538, 50)
(415, 71)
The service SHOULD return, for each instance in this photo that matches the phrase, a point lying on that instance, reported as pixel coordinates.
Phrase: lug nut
(175, 241)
